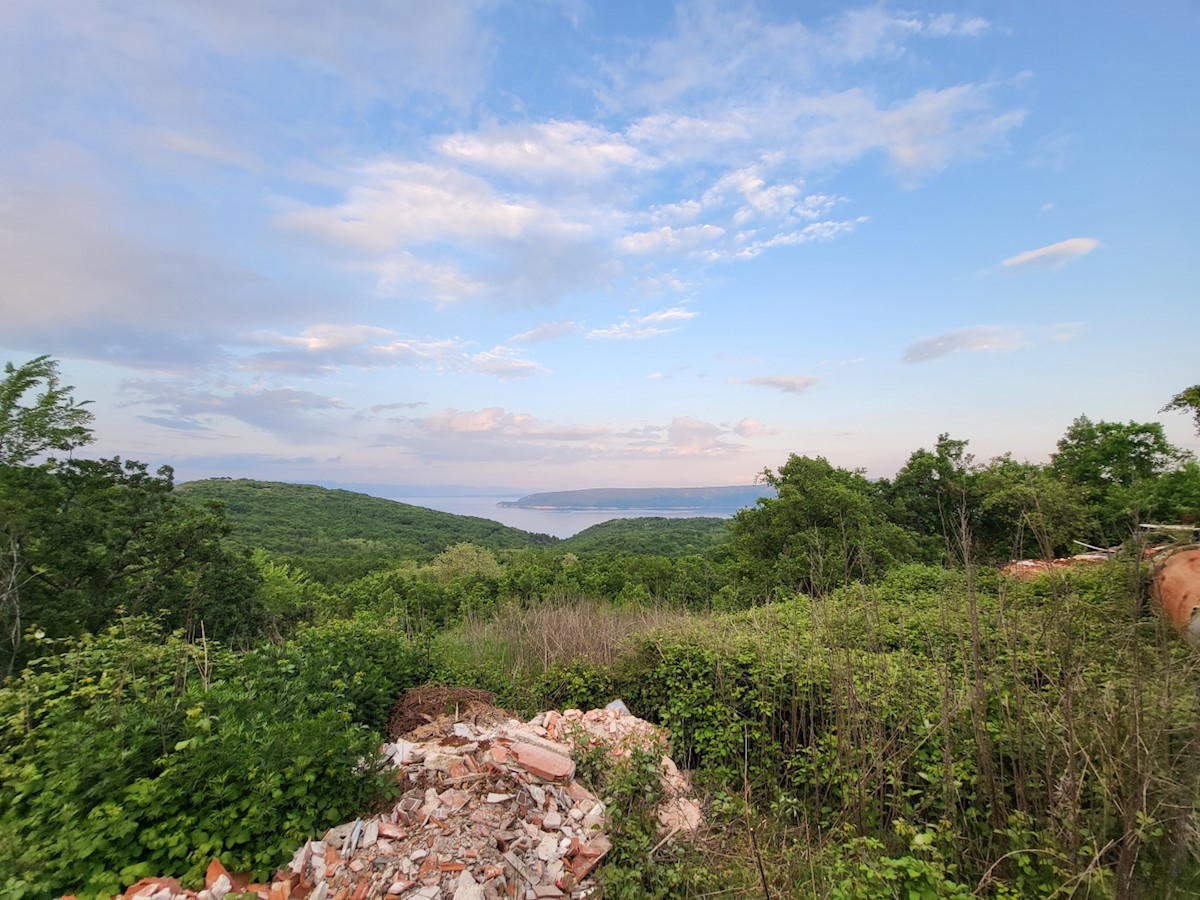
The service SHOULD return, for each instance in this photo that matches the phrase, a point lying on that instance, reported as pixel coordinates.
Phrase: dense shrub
(123, 754)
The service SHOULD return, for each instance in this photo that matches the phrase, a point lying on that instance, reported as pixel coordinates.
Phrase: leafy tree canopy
(38, 413)
(1187, 400)
(1097, 454)
(826, 526)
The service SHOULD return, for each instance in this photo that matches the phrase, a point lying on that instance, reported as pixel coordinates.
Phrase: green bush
(125, 754)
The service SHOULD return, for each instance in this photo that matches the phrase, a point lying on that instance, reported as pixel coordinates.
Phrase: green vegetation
(1187, 400)
(650, 535)
(336, 535)
(869, 708)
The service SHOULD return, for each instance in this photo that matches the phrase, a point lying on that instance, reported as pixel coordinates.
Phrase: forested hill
(653, 535)
(319, 528)
(315, 524)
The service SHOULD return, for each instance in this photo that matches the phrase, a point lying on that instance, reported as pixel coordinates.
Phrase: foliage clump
(123, 754)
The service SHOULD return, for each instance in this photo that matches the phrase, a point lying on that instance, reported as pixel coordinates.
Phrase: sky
(555, 244)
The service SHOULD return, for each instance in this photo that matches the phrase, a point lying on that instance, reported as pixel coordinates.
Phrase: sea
(561, 523)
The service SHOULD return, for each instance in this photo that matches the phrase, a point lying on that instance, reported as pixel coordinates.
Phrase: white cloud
(708, 76)
(681, 138)
(817, 231)
(667, 282)
(691, 437)
(952, 25)
(650, 325)
(1053, 255)
(483, 421)
(789, 384)
(981, 337)
(403, 271)
(877, 31)
(751, 428)
(532, 210)
(669, 240)
(923, 133)
(547, 331)
(323, 349)
(494, 434)
(396, 203)
(456, 234)
(505, 364)
(547, 150)
(674, 213)
(748, 189)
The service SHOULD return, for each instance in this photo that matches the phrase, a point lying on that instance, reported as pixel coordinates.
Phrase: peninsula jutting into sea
(707, 499)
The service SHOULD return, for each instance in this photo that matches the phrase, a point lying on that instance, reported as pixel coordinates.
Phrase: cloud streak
(1052, 256)
(636, 328)
(789, 384)
(979, 338)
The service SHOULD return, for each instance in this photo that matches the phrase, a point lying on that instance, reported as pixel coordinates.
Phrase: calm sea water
(561, 523)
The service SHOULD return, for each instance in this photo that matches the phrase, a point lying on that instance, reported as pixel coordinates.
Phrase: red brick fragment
(543, 763)
(392, 832)
(215, 870)
(589, 856)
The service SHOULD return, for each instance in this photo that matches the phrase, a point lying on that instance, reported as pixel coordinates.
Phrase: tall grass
(945, 731)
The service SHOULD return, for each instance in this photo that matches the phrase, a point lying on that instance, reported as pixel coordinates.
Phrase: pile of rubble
(490, 810)
(1031, 568)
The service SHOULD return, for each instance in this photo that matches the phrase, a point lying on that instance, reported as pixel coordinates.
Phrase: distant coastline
(701, 499)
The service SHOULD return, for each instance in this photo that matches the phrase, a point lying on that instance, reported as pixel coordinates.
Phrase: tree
(95, 538)
(1187, 400)
(1116, 464)
(37, 413)
(1024, 509)
(826, 526)
(929, 494)
(53, 421)
(83, 540)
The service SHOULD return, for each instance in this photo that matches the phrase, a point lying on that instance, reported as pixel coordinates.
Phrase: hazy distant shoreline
(707, 499)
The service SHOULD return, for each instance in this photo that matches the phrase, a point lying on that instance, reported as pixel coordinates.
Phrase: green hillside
(650, 535)
(340, 532)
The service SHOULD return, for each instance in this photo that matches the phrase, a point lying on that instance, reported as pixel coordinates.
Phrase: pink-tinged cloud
(789, 384)
(1053, 256)
(981, 337)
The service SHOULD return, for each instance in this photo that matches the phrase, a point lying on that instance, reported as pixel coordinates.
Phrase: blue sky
(568, 244)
